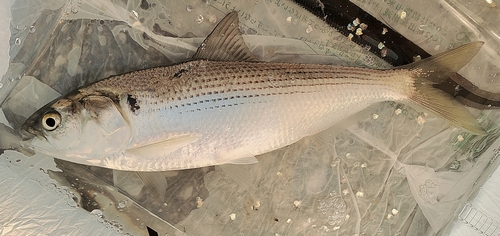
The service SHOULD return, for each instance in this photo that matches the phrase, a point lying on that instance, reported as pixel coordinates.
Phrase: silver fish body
(241, 109)
(206, 112)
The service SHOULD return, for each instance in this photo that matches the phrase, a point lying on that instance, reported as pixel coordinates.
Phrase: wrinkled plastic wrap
(398, 171)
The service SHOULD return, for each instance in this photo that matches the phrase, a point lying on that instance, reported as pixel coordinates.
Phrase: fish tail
(437, 69)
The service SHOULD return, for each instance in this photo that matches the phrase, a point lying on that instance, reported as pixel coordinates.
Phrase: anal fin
(155, 182)
(241, 174)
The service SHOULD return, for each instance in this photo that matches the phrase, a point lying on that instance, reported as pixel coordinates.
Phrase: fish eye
(50, 121)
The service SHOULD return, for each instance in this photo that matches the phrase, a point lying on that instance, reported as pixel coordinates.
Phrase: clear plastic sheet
(397, 171)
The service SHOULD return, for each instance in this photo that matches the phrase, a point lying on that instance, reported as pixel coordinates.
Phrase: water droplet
(189, 8)
(75, 9)
(199, 19)
(17, 41)
(122, 204)
(96, 212)
(309, 29)
(32, 29)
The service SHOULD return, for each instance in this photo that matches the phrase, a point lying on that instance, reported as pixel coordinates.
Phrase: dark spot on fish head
(132, 102)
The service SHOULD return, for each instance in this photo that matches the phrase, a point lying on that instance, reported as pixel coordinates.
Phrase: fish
(226, 107)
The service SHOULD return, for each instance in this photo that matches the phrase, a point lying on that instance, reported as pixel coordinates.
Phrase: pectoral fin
(163, 148)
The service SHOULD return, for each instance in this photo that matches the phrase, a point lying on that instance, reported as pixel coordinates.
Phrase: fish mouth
(27, 131)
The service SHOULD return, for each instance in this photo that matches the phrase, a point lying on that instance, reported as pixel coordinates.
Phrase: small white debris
(356, 22)
(383, 52)
(389, 216)
(279, 174)
(309, 29)
(345, 191)
(380, 45)
(199, 202)
(347, 217)
(336, 227)
(375, 116)
(417, 58)
(364, 165)
(134, 15)
(359, 194)
(402, 14)
(289, 20)
(359, 31)
(297, 203)
(350, 36)
(420, 120)
(348, 154)
(363, 26)
(212, 18)
(398, 111)
(257, 204)
(232, 216)
(384, 31)
(394, 211)
(460, 138)
(492, 4)
(289, 221)
(350, 27)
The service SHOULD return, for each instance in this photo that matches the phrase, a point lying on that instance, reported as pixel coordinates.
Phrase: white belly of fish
(245, 120)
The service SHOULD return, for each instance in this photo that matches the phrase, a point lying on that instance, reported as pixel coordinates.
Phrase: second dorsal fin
(225, 43)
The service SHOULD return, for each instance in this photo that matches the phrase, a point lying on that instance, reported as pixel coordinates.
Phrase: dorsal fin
(225, 43)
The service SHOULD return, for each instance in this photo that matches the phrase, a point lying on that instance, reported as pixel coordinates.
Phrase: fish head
(85, 129)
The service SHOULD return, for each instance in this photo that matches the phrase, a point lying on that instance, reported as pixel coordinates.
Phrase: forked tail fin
(435, 70)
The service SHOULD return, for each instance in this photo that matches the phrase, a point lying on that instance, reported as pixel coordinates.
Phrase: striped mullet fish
(225, 107)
